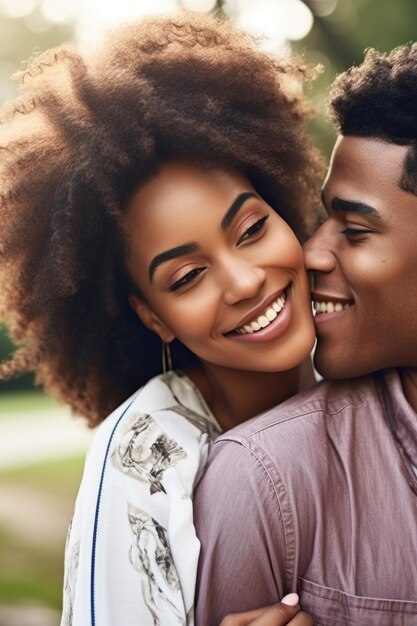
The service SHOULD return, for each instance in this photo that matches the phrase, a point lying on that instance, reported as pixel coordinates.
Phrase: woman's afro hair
(89, 129)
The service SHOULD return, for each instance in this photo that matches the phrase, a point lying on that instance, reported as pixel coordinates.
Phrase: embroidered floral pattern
(145, 452)
(150, 555)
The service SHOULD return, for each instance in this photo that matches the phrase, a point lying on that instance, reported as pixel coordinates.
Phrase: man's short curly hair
(378, 99)
(87, 131)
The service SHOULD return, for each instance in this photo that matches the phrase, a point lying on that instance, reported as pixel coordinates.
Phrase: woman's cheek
(193, 317)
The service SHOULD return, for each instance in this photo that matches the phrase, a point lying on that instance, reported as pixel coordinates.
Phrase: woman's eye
(187, 278)
(253, 230)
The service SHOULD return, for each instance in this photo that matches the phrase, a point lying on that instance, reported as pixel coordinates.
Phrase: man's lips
(268, 309)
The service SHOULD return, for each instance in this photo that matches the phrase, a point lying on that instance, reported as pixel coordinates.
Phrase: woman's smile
(225, 272)
(257, 324)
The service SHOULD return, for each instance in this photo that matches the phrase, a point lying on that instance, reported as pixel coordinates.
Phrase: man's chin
(339, 366)
(333, 366)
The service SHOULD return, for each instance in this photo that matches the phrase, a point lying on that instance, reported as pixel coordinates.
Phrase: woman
(148, 194)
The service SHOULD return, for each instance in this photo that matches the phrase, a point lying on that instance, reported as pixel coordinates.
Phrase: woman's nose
(241, 281)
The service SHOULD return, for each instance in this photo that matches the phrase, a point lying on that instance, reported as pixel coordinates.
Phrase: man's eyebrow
(339, 205)
(234, 208)
(172, 253)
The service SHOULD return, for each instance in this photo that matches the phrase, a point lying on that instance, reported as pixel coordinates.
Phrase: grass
(24, 401)
(29, 573)
(31, 567)
(56, 477)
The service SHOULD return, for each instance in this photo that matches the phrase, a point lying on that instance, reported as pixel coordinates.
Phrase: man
(319, 495)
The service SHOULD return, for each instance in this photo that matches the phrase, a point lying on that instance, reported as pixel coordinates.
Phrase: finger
(274, 615)
(291, 599)
(241, 619)
(301, 619)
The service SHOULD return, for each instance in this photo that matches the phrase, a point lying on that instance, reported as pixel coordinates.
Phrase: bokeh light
(37, 22)
(59, 11)
(199, 5)
(298, 20)
(323, 8)
(274, 21)
(17, 8)
(96, 16)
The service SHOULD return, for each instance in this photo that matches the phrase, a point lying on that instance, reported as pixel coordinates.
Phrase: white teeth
(271, 314)
(265, 319)
(329, 307)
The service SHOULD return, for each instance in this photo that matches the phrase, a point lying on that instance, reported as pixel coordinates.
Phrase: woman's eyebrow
(234, 208)
(172, 253)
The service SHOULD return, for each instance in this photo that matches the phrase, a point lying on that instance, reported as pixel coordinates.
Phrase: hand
(285, 612)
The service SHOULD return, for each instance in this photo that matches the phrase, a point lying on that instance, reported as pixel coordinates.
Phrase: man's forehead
(362, 163)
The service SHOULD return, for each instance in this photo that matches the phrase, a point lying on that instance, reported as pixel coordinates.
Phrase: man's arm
(239, 523)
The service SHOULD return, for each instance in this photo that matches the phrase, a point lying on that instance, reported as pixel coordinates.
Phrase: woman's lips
(265, 319)
(260, 311)
(272, 328)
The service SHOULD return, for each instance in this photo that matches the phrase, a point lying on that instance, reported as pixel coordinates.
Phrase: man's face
(364, 263)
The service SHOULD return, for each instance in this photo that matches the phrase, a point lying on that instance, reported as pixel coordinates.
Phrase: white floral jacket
(132, 552)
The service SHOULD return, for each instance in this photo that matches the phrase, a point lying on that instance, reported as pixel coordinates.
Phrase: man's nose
(319, 251)
(241, 280)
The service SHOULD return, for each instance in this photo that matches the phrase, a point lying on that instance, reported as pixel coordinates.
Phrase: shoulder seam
(303, 413)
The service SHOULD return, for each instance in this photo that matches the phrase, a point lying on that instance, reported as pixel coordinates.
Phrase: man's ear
(147, 315)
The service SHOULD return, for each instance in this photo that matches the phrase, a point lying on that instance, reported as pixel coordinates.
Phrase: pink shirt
(316, 496)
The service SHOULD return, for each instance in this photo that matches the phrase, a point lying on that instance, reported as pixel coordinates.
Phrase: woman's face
(219, 270)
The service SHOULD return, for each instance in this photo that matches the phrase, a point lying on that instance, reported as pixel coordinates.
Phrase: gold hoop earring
(166, 359)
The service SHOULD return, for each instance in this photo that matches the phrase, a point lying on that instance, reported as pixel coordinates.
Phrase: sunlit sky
(277, 22)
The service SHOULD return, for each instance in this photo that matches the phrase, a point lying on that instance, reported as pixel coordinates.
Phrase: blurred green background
(37, 491)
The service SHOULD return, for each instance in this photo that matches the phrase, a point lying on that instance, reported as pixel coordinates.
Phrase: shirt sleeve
(239, 524)
(132, 551)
